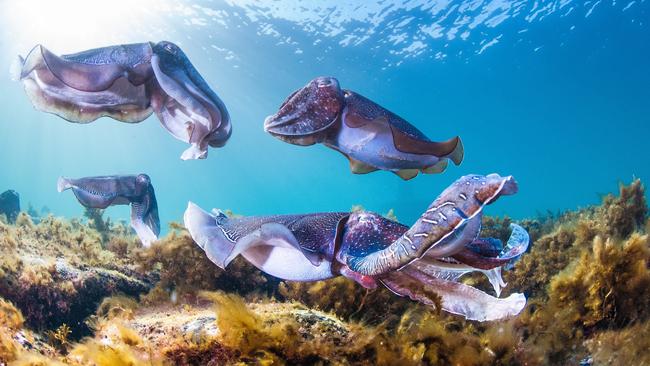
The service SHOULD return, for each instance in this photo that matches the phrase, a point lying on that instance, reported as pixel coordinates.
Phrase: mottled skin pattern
(128, 83)
(429, 257)
(370, 136)
(136, 190)
(462, 201)
(315, 233)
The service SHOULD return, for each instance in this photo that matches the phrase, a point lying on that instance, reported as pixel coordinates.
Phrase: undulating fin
(407, 174)
(458, 153)
(457, 298)
(437, 168)
(358, 167)
(274, 235)
(452, 148)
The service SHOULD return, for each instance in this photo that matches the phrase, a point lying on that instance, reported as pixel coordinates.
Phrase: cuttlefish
(370, 136)
(105, 191)
(128, 83)
(426, 259)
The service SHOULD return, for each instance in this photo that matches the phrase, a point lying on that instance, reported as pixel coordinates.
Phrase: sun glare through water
(71, 25)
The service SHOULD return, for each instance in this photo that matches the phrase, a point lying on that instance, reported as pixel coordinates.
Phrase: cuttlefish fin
(275, 235)
(407, 174)
(436, 168)
(358, 167)
(451, 149)
(454, 297)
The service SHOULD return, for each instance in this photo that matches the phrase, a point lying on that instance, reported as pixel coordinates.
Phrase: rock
(10, 205)
(50, 293)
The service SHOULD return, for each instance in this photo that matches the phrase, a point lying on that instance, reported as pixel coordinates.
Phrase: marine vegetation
(586, 275)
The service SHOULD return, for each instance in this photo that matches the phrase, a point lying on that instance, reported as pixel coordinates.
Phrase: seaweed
(586, 276)
(11, 321)
(184, 269)
(628, 346)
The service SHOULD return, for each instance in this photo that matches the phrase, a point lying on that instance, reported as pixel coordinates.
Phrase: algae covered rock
(56, 272)
(10, 205)
(51, 293)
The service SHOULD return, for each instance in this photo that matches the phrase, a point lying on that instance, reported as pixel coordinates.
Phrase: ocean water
(556, 93)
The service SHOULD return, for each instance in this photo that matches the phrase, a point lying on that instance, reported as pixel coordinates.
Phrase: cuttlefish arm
(291, 247)
(128, 83)
(456, 297)
(185, 104)
(430, 276)
(436, 229)
(105, 191)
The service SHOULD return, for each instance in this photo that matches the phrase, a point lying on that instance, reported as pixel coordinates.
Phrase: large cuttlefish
(371, 137)
(136, 190)
(427, 258)
(128, 83)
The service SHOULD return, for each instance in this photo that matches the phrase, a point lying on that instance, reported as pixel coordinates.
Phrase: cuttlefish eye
(170, 48)
(306, 115)
(142, 181)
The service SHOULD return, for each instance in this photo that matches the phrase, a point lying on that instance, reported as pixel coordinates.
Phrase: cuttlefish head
(306, 116)
(185, 103)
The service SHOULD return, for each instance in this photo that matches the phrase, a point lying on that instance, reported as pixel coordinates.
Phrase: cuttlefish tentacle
(105, 191)
(128, 83)
(486, 262)
(457, 298)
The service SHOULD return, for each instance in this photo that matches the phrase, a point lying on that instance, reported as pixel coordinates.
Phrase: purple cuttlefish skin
(135, 190)
(128, 83)
(428, 257)
(371, 137)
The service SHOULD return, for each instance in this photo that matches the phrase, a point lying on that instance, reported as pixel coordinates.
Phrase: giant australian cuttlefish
(128, 83)
(370, 136)
(429, 257)
(110, 190)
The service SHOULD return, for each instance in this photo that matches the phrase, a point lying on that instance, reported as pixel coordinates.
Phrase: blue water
(555, 93)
